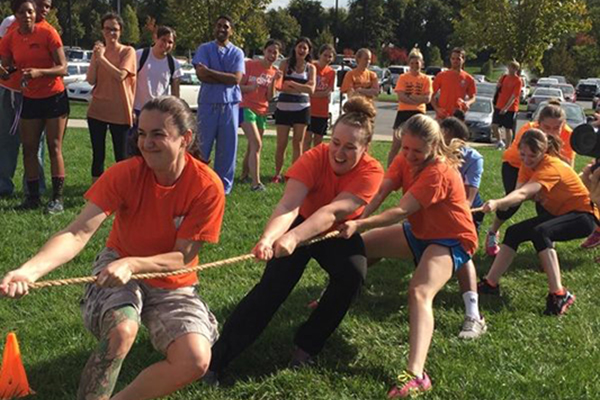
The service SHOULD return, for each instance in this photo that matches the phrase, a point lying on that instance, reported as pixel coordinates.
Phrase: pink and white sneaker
(409, 385)
(592, 241)
(491, 243)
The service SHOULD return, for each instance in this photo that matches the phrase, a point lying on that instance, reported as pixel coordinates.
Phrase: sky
(325, 3)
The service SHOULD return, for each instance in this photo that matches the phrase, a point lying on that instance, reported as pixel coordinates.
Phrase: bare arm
(471, 193)
(113, 71)
(520, 194)
(59, 249)
(92, 71)
(208, 75)
(372, 91)
(59, 68)
(271, 90)
(384, 191)
(175, 88)
(309, 86)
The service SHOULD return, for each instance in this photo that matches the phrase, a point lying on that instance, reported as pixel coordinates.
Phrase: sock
(471, 300)
(58, 182)
(560, 292)
(33, 188)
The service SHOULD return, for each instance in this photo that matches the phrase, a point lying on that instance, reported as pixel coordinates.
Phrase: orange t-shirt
(453, 86)
(439, 189)
(112, 99)
(258, 100)
(413, 85)
(149, 218)
(314, 170)
(510, 85)
(319, 106)
(511, 155)
(34, 50)
(562, 189)
(355, 80)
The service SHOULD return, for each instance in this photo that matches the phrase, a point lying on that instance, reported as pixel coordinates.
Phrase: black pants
(509, 180)
(345, 262)
(98, 136)
(545, 228)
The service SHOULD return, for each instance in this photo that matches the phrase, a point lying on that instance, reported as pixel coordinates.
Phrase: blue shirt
(228, 59)
(472, 168)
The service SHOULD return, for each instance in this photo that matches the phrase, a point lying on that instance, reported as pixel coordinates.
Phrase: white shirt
(153, 79)
(6, 22)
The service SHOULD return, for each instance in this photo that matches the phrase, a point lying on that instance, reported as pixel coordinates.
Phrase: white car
(81, 91)
(76, 72)
(189, 87)
(546, 81)
(541, 94)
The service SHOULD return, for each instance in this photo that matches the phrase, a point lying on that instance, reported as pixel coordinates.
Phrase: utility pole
(364, 28)
(119, 7)
(335, 26)
(70, 22)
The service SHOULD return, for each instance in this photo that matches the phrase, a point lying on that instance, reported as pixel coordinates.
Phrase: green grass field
(525, 355)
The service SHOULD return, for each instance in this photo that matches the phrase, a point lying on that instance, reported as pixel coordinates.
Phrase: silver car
(575, 114)
(542, 94)
(479, 119)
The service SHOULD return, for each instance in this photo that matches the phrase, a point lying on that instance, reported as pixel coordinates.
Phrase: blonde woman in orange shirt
(361, 81)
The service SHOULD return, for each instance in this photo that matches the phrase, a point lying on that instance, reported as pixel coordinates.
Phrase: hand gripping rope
(154, 275)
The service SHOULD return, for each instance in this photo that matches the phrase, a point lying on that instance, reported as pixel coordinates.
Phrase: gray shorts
(167, 313)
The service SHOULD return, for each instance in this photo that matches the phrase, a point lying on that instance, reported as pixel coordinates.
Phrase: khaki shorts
(167, 313)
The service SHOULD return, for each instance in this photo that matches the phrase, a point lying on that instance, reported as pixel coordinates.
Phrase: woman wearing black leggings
(567, 214)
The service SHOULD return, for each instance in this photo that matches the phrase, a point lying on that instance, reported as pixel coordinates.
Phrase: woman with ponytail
(567, 214)
(329, 184)
(439, 235)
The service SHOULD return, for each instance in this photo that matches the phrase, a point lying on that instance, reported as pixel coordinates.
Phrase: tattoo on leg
(101, 371)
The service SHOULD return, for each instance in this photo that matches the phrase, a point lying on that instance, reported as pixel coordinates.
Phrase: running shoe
(491, 244)
(592, 241)
(300, 359)
(500, 145)
(557, 304)
(472, 328)
(30, 203)
(408, 385)
(258, 188)
(277, 179)
(55, 207)
(484, 287)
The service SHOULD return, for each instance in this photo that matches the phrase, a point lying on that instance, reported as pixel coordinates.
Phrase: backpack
(170, 60)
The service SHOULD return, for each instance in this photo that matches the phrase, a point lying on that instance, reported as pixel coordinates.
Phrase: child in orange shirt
(552, 121)
(433, 190)
(329, 184)
(568, 214)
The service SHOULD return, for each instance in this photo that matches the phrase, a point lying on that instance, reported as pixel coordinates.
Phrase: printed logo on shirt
(321, 83)
(463, 83)
(34, 46)
(177, 221)
(262, 80)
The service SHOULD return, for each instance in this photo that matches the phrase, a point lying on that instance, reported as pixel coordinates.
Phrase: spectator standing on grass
(112, 72)
(567, 214)
(414, 90)
(258, 88)
(293, 103)
(427, 172)
(506, 107)
(453, 89)
(328, 184)
(35, 50)
(166, 205)
(11, 100)
(319, 101)
(361, 81)
(220, 67)
(158, 72)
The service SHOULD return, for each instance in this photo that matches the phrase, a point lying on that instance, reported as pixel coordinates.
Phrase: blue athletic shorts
(418, 246)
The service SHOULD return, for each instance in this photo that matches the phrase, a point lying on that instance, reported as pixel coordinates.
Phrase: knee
(191, 368)
(419, 294)
(121, 338)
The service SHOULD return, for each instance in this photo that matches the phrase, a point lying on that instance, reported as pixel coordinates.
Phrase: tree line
(557, 37)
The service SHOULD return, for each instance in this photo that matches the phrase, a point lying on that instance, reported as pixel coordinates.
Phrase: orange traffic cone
(13, 380)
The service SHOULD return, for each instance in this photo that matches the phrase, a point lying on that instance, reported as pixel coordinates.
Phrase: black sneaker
(30, 203)
(211, 378)
(557, 304)
(300, 359)
(484, 287)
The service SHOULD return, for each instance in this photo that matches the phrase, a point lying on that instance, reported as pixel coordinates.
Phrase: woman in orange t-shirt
(166, 204)
(112, 73)
(552, 121)
(433, 190)
(328, 184)
(258, 88)
(567, 214)
(35, 52)
(361, 81)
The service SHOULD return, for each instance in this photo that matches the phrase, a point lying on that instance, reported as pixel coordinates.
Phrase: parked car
(547, 80)
(525, 90)
(81, 91)
(480, 78)
(568, 92)
(433, 71)
(479, 119)
(189, 87)
(575, 114)
(76, 72)
(541, 94)
(396, 71)
(485, 89)
(561, 79)
(385, 78)
(340, 71)
(78, 55)
(587, 89)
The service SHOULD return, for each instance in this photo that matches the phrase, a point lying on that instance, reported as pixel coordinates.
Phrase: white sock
(471, 300)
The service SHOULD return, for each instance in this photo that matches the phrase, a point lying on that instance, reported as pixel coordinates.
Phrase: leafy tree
(94, 28)
(52, 19)
(283, 26)
(521, 30)
(310, 15)
(325, 37)
(367, 25)
(5, 10)
(434, 56)
(131, 28)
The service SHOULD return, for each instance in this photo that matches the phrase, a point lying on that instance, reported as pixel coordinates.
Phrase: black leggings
(546, 228)
(98, 136)
(509, 180)
(345, 262)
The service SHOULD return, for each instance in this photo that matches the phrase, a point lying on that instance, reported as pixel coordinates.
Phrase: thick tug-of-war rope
(154, 275)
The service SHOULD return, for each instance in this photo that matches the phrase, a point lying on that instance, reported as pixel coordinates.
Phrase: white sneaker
(472, 328)
(500, 145)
